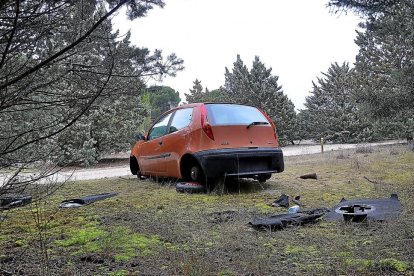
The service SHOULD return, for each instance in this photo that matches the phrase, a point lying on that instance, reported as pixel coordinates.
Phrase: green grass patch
(83, 237)
(394, 264)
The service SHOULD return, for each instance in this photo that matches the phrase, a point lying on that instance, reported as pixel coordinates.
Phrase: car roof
(198, 104)
(195, 105)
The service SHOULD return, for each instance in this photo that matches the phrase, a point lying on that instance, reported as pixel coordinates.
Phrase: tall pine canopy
(332, 111)
(259, 88)
(385, 63)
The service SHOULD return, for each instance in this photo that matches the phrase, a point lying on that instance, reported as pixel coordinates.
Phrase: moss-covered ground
(150, 229)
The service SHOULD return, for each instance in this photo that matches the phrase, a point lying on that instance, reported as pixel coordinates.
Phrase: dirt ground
(150, 229)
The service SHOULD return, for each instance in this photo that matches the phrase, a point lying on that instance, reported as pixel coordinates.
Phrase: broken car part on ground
(13, 201)
(79, 202)
(190, 187)
(278, 222)
(283, 201)
(366, 209)
(357, 210)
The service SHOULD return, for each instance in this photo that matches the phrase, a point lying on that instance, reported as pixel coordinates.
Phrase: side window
(160, 128)
(181, 119)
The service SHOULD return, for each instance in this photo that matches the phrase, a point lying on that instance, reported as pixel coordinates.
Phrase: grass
(152, 230)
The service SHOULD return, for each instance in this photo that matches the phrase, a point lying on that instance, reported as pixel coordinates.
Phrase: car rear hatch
(237, 126)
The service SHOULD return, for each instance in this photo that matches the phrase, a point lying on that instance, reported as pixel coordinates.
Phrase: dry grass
(149, 229)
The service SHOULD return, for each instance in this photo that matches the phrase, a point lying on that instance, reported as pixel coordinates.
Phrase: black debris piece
(79, 202)
(13, 201)
(282, 201)
(311, 211)
(297, 201)
(278, 222)
(309, 176)
(190, 187)
(359, 210)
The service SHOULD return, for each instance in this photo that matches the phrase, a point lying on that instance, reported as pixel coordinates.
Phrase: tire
(190, 187)
(263, 177)
(196, 173)
(134, 167)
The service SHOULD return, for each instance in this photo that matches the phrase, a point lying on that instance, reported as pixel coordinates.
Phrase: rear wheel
(196, 173)
(191, 171)
(190, 188)
(263, 177)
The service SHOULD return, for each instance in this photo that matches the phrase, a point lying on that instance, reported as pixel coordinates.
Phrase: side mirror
(139, 137)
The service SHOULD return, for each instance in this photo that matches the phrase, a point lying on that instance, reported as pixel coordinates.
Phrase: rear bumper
(243, 162)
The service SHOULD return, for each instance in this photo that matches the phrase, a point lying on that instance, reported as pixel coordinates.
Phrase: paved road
(118, 171)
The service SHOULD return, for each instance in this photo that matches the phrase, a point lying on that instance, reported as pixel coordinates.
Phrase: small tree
(196, 93)
(162, 98)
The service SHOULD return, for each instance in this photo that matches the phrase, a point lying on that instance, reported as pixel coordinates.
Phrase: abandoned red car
(204, 141)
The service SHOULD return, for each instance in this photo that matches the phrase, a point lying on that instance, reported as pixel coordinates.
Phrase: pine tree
(196, 93)
(236, 84)
(259, 88)
(332, 111)
(385, 63)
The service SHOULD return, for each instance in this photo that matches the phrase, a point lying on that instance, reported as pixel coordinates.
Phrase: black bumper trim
(242, 162)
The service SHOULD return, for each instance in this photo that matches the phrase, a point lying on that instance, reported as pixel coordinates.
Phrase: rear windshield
(233, 114)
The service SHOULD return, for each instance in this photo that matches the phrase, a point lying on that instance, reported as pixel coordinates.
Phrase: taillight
(271, 123)
(205, 125)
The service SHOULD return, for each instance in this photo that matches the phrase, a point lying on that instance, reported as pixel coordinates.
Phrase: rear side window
(160, 128)
(181, 119)
(233, 114)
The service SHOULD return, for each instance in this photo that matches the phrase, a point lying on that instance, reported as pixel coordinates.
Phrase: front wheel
(134, 167)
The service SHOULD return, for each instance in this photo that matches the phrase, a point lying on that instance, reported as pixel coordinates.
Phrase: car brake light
(271, 123)
(205, 125)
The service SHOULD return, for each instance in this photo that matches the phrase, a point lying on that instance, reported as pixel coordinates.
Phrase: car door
(151, 156)
(175, 141)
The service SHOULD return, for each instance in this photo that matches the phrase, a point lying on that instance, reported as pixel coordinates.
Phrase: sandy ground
(123, 170)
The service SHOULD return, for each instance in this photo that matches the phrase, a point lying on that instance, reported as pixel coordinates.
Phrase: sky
(298, 39)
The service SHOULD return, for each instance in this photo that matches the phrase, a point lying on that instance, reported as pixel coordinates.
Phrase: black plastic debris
(13, 201)
(309, 176)
(190, 187)
(359, 210)
(282, 201)
(79, 202)
(297, 201)
(278, 222)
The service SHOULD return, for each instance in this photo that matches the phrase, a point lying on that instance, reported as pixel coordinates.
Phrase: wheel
(196, 173)
(134, 167)
(190, 187)
(263, 177)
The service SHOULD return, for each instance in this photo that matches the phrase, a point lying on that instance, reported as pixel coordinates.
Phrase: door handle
(160, 142)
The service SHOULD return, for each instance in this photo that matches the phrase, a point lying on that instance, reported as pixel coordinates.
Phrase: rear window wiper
(256, 124)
